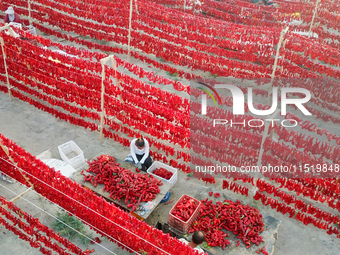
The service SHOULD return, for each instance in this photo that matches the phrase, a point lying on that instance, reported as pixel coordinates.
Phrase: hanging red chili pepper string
(33, 226)
(96, 207)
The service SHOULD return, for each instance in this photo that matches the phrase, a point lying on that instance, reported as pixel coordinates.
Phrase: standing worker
(140, 153)
(11, 16)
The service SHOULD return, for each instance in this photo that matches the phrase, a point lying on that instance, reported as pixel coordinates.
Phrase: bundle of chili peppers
(121, 182)
(162, 172)
(33, 227)
(185, 208)
(244, 221)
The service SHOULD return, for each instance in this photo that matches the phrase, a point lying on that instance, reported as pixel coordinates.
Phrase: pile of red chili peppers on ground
(185, 209)
(121, 182)
(244, 221)
(162, 172)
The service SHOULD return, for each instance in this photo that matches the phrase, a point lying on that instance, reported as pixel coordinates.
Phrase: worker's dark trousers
(147, 162)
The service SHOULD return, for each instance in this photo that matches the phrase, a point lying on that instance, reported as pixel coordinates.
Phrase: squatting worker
(197, 238)
(11, 16)
(140, 152)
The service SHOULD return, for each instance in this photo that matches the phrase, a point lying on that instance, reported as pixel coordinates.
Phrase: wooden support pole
(29, 12)
(5, 149)
(259, 161)
(283, 56)
(104, 60)
(114, 65)
(102, 103)
(129, 38)
(4, 56)
(312, 22)
(283, 32)
(136, 6)
(20, 195)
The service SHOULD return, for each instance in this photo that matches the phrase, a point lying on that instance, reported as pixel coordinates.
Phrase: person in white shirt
(140, 153)
(197, 238)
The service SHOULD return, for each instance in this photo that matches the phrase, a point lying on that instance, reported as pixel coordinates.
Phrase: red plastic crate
(180, 225)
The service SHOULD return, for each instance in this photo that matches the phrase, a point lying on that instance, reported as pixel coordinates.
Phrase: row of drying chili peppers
(309, 144)
(163, 100)
(83, 203)
(325, 37)
(255, 30)
(33, 227)
(94, 127)
(254, 13)
(328, 96)
(303, 208)
(88, 102)
(214, 147)
(155, 49)
(115, 20)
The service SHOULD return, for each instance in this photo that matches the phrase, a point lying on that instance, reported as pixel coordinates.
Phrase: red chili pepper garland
(85, 113)
(331, 202)
(33, 227)
(244, 221)
(206, 179)
(109, 220)
(121, 182)
(123, 23)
